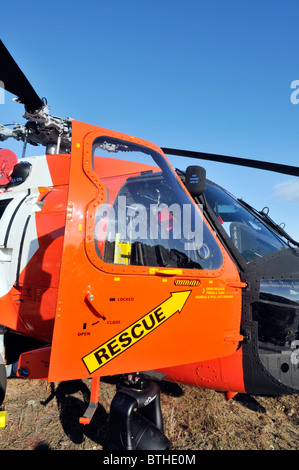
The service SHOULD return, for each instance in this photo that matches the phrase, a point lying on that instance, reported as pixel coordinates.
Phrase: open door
(144, 283)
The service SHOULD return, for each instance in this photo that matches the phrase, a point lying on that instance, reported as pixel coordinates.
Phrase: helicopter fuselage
(106, 302)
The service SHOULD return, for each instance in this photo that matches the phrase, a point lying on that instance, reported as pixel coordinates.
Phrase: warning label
(135, 332)
(213, 292)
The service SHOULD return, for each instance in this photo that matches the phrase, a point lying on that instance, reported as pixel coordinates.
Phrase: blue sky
(213, 76)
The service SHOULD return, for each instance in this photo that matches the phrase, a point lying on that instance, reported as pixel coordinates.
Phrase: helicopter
(118, 265)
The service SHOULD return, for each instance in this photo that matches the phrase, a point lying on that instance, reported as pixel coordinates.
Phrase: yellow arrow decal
(135, 332)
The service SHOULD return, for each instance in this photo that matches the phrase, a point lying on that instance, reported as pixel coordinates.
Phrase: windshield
(252, 237)
(148, 219)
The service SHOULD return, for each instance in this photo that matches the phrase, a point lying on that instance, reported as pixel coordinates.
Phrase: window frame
(102, 197)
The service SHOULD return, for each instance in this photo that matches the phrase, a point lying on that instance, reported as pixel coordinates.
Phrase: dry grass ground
(46, 416)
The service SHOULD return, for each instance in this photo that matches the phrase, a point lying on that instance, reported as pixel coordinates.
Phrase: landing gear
(135, 417)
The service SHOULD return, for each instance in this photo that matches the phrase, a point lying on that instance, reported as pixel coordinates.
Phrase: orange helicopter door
(144, 283)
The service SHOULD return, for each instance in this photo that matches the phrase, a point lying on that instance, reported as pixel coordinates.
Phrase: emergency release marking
(135, 332)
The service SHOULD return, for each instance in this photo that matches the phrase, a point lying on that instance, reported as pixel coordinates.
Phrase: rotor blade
(14, 81)
(261, 165)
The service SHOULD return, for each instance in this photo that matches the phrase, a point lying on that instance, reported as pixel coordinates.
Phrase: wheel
(2, 380)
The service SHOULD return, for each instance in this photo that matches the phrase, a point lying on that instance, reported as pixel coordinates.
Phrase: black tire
(2, 380)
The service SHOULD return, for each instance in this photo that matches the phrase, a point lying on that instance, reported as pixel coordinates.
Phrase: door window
(148, 218)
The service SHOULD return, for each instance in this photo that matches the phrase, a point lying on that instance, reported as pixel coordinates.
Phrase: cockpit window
(251, 236)
(148, 218)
